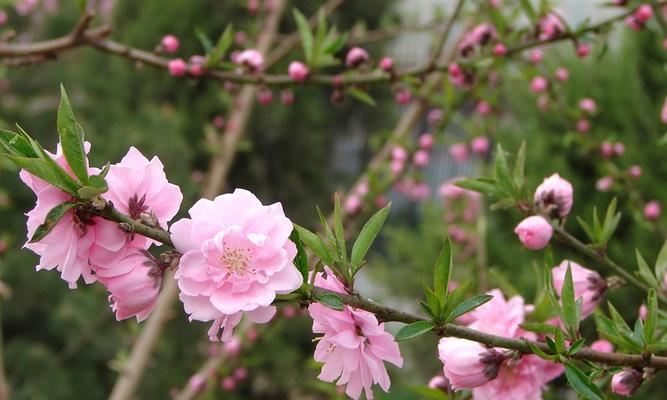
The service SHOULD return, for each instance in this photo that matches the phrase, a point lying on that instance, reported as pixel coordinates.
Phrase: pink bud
(619, 148)
(219, 122)
(197, 383)
(602, 345)
(177, 67)
(240, 374)
(421, 158)
(536, 56)
(483, 108)
(652, 210)
(355, 57)
(3, 246)
(362, 189)
(439, 382)
(633, 23)
(403, 96)
(607, 149)
(197, 65)
(663, 113)
(499, 50)
(480, 145)
(3, 17)
(554, 195)
(287, 97)
(396, 167)
(386, 64)
(233, 347)
(583, 50)
(169, 44)
(426, 141)
(583, 125)
(253, 6)
(251, 59)
(459, 152)
(588, 285)
(644, 13)
(562, 74)
(468, 364)
(588, 105)
(434, 116)
(240, 37)
(643, 312)
(626, 382)
(604, 184)
(534, 232)
(635, 171)
(381, 201)
(265, 97)
(298, 71)
(352, 204)
(398, 153)
(457, 234)
(228, 384)
(539, 84)
(454, 69)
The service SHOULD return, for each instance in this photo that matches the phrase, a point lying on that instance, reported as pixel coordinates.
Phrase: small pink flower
(396, 167)
(499, 50)
(588, 285)
(588, 105)
(459, 152)
(607, 149)
(287, 97)
(352, 204)
(583, 125)
(197, 383)
(426, 141)
(386, 64)
(536, 56)
(219, 121)
(644, 13)
(554, 195)
(177, 67)
(626, 382)
(3, 17)
(562, 74)
(170, 44)
(635, 171)
(354, 345)
(434, 116)
(480, 145)
(298, 71)
(454, 70)
(265, 97)
(236, 257)
(197, 65)
(583, 50)
(240, 37)
(604, 184)
(362, 189)
(468, 364)
(403, 96)
(228, 384)
(534, 232)
(619, 149)
(483, 108)
(252, 6)
(251, 59)
(479, 36)
(356, 56)
(421, 158)
(603, 345)
(539, 84)
(399, 153)
(550, 26)
(652, 210)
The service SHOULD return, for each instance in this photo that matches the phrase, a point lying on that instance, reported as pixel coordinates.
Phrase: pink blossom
(252, 6)
(298, 71)
(536, 56)
(562, 74)
(468, 364)
(233, 347)
(421, 158)
(643, 312)
(539, 84)
(554, 195)
(352, 204)
(534, 232)
(197, 383)
(583, 125)
(287, 97)
(459, 152)
(3, 17)
(480, 145)
(355, 57)
(604, 184)
(626, 382)
(197, 65)
(353, 346)
(607, 149)
(170, 44)
(588, 105)
(602, 345)
(583, 50)
(219, 121)
(265, 97)
(24, 7)
(434, 116)
(644, 13)
(550, 26)
(426, 141)
(633, 23)
(386, 64)
(619, 148)
(588, 285)
(228, 384)
(236, 257)
(439, 382)
(403, 96)
(478, 36)
(652, 210)
(177, 67)
(483, 108)
(362, 188)
(499, 50)
(240, 374)
(457, 234)
(396, 167)
(635, 171)
(663, 113)
(399, 153)
(251, 59)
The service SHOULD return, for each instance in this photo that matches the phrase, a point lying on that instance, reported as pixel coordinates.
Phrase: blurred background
(64, 344)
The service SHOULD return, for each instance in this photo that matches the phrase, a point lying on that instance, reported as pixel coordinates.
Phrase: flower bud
(177, 67)
(403, 96)
(421, 158)
(355, 57)
(439, 382)
(298, 71)
(626, 382)
(480, 145)
(633, 23)
(287, 97)
(583, 125)
(607, 149)
(240, 374)
(588, 105)
(499, 50)
(588, 285)
(233, 347)
(644, 13)
(398, 153)
(3, 17)
(197, 383)
(228, 384)
(604, 184)
(468, 364)
(459, 152)
(251, 59)
(426, 141)
(554, 195)
(652, 210)
(483, 108)
(434, 116)
(635, 171)
(386, 64)
(583, 50)
(265, 97)
(534, 232)
(539, 84)
(536, 56)
(619, 148)
(562, 74)
(219, 121)
(169, 43)
(663, 113)
(352, 204)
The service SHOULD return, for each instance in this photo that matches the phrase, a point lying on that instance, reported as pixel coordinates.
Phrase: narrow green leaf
(442, 271)
(468, 305)
(95, 187)
(301, 259)
(434, 303)
(331, 238)
(587, 228)
(501, 172)
(330, 300)
(224, 43)
(46, 172)
(338, 228)
(361, 95)
(539, 352)
(579, 381)
(559, 340)
(314, 243)
(306, 37)
(661, 262)
(51, 220)
(538, 327)
(644, 271)
(651, 316)
(528, 9)
(71, 138)
(519, 166)
(574, 348)
(569, 305)
(367, 236)
(17, 145)
(414, 329)
(204, 40)
(482, 185)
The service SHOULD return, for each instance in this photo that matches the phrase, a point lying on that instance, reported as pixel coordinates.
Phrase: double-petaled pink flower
(236, 257)
(354, 345)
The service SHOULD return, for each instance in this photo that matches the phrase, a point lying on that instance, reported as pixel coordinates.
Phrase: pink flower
(536, 56)
(396, 167)
(3, 17)
(534, 232)
(652, 210)
(499, 50)
(233, 347)
(554, 195)
(643, 312)
(480, 145)
(197, 383)
(219, 121)
(663, 113)
(468, 364)
(134, 283)
(353, 346)
(386, 64)
(197, 65)
(550, 26)
(626, 382)
(478, 36)
(604, 184)
(265, 97)
(583, 125)
(399, 153)
(240, 374)
(352, 204)
(583, 50)
(439, 382)
(562, 74)
(426, 141)
(177, 67)
(459, 152)
(251, 59)
(539, 84)
(421, 158)
(602, 345)
(170, 44)
(588, 105)
(483, 108)
(228, 384)
(355, 57)
(236, 257)
(403, 96)
(434, 116)
(607, 149)
(588, 285)
(298, 71)
(635, 171)
(362, 188)
(633, 23)
(644, 13)
(619, 148)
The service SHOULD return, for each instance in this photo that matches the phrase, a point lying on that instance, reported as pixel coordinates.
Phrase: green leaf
(528, 9)
(611, 220)
(204, 40)
(71, 138)
(16, 145)
(579, 381)
(501, 172)
(315, 243)
(574, 348)
(434, 303)
(569, 308)
(651, 316)
(538, 327)
(330, 300)
(306, 37)
(468, 305)
(47, 172)
(519, 166)
(482, 185)
(361, 95)
(539, 352)
(95, 187)
(338, 228)
(335, 250)
(559, 340)
(225, 41)
(442, 271)
(301, 259)
(644, 271)
(367, 236)
(661, 262)
(52, 218)
(414, 329)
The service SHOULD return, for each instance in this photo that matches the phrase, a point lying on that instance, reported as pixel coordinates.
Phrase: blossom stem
(112, 214)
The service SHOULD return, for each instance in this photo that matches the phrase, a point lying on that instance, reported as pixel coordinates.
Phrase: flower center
(237, 262)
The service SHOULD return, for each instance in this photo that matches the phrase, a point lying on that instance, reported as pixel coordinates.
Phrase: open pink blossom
(588, 285)
(353, 346)
(236, 257)
(478, 36)
(554, 195)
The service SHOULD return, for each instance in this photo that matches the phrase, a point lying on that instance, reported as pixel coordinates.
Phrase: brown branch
(53, 46)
